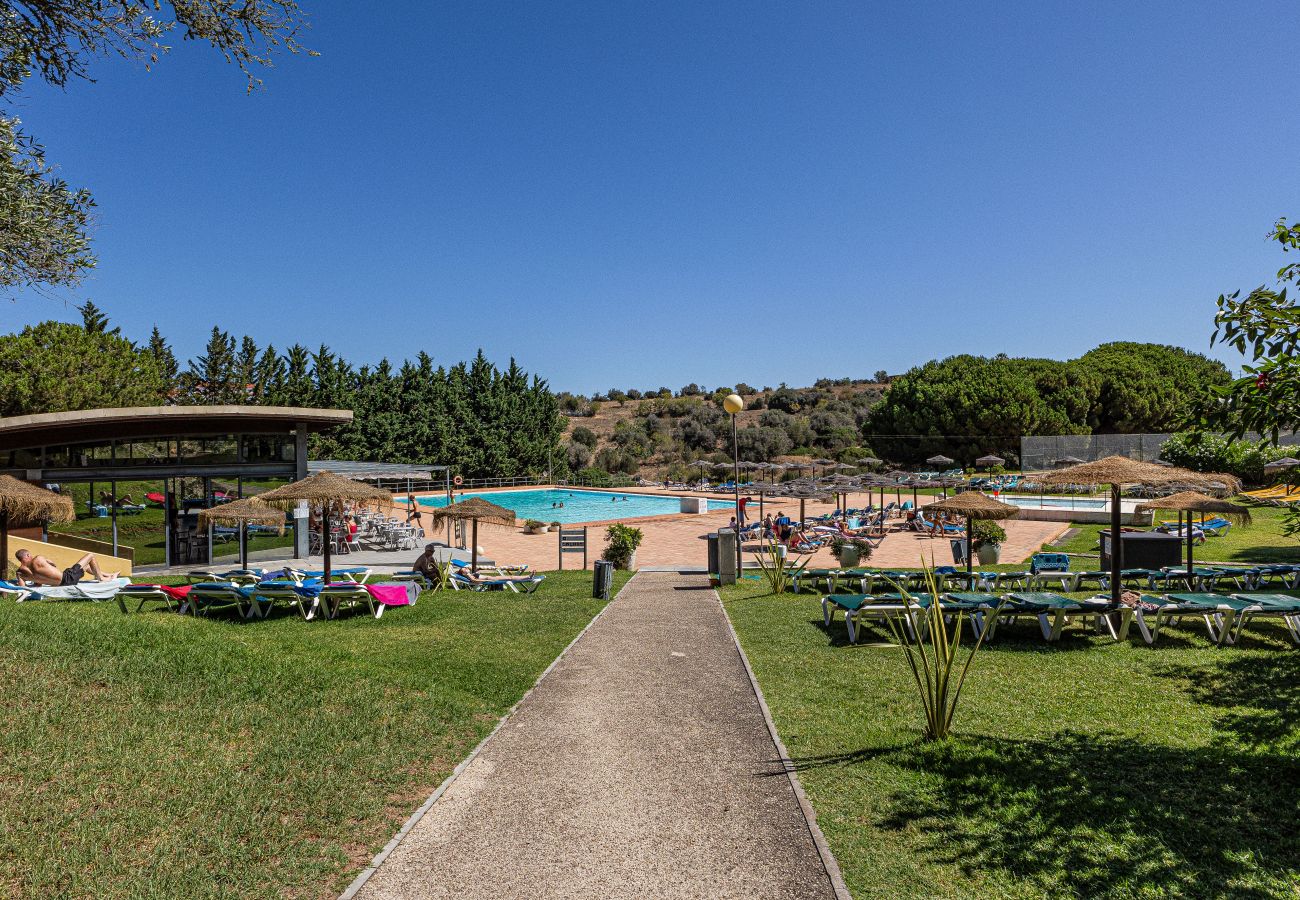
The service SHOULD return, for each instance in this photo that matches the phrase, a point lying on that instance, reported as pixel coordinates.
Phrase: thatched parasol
(1068, 461)
(240, 513)
(326, 490)
(940, 460)
(475, 510)
(991, 460)
(25, 504)
(1118, 471)
(973, 505)
(1190, 502)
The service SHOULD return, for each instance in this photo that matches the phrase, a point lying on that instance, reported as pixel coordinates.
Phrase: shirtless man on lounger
(39, 570)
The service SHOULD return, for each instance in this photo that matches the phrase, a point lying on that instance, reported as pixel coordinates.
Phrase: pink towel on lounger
(391, 594)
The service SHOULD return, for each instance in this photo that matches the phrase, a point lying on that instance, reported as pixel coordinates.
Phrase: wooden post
(4, 546)
(325, 540)
(473, 555)
(1116, 546)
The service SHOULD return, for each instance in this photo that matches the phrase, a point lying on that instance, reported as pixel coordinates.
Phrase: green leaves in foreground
(938, 671)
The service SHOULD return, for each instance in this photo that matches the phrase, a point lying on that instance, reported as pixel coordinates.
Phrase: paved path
(640, 767)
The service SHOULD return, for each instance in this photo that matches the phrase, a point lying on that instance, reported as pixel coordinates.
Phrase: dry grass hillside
(610, 413)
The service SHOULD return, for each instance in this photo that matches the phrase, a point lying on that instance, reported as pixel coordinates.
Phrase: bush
(595, 477)
(584, 436)
(982, 532)
(838, 544)
(622, 543)
(1203, 452)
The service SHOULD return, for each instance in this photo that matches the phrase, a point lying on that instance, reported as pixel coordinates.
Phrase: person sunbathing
(38, 570)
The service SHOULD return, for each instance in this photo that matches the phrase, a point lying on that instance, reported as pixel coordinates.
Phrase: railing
(515, 481)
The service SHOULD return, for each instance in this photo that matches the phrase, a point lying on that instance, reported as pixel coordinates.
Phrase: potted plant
(620, 548)
(533, 526)
(556, 526)
(850, 552)
(986, 540)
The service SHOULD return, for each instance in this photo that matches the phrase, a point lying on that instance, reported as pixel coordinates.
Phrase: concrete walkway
(640, 767)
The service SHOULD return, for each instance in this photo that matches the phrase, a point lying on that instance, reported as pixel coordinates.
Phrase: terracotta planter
(989, 554)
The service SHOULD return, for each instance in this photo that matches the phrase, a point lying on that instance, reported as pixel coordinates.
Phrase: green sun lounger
(207, 596)
(1217, 611)
(1279, 606)
(1054, 611)
(859, 607)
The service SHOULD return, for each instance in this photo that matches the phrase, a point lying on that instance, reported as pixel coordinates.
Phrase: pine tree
(162, 353)
(94, 320)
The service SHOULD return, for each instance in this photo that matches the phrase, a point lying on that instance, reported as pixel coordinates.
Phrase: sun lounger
(1282, 606)
(305, 598)
(171, 597)
(1053, 613)
(859, 607)
(1217, 611)
(86, 590)
(207, 596)
(511, 583)
(373, 598)
(1288, 575)
(234, 576)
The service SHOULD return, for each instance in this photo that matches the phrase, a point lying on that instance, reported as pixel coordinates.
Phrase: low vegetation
(167, 756)
(1084, 769)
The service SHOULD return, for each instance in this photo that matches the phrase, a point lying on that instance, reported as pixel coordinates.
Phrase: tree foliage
(481, 420)
(1264, 326)
(44, 222)
(967, 406)
(56, 367)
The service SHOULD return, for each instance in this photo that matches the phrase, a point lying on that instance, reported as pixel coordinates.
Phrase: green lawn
(157, 755)
(1260, 541)
(1084, 769)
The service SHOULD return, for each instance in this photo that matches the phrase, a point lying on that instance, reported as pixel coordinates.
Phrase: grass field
(157, 755)
(1084, 769)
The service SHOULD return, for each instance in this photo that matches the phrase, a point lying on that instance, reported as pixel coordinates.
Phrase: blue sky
(634, 195)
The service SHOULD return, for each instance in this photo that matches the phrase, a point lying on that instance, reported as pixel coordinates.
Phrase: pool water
(1055, 502)
(579, 506)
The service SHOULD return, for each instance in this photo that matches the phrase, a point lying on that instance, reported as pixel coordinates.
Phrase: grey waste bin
(712, 540)
(603, 580)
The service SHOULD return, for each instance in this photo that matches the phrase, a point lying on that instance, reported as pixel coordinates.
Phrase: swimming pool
(579, 506)
(1055, 502)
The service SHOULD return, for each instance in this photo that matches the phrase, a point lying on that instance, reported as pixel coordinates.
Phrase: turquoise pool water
(579, 506)
(1055, 502)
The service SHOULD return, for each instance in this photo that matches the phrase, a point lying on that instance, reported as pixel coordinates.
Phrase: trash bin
(727, 556)
(712, 540)
(603, 580)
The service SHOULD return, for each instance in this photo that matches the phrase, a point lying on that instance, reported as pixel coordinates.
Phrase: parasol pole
(1191, 566)
(325, 539)
(473, 554)
(1116, 548)
(4, 546)
(970, 551)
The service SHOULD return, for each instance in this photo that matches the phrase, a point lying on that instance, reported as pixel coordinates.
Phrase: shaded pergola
(240, 514)
(1117, 471)
(476, 510)
(973, 505)
(1195, 502)
(328, 492)
(22, 505)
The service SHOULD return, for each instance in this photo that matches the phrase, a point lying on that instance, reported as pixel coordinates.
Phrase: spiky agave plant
(774, 570)
(938, 670)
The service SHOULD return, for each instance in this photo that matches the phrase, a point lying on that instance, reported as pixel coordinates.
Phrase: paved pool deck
(640, 766)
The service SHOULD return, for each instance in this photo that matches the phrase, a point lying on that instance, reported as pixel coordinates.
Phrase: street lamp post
(733, 404)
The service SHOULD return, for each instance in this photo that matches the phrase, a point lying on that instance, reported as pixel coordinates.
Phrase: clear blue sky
(637, 195)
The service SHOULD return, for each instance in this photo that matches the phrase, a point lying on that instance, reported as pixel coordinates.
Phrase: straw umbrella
(327, 490)
(24, 504)
(240, 513)
(989, 461)
(973, 505)
(1068, 461)
(940, 460)
(1117, 471)
(1190, 502)
(475, 510)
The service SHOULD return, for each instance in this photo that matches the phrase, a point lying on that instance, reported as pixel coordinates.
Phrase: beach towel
(394, 593)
